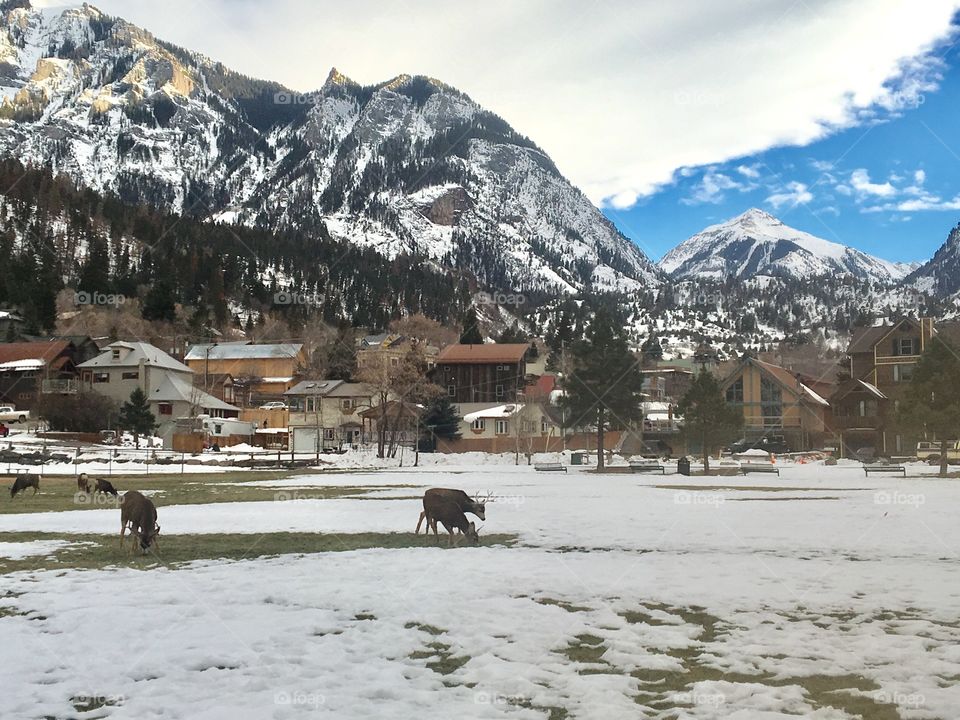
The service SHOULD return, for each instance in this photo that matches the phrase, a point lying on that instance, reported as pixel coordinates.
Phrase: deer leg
(423, 514)
(123, 529)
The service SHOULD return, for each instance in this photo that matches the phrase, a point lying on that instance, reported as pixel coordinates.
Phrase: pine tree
(341, 360)
(471, 334)
(707, 418)
(135, 416)
(442, 419)
(160, 303)
(604, 389)
(931, 403)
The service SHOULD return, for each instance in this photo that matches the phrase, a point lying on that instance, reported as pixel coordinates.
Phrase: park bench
(550, 467)
(748, 467)
(641, 466)
(867, 469)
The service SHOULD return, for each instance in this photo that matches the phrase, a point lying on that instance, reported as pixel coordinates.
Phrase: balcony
(65, 386)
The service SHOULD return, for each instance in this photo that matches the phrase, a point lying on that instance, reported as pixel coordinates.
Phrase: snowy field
(817, 594)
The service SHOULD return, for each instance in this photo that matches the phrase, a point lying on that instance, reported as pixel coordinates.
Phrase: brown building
(28, 369)
(880, 363)
(258, 372)
(488, 373)
(775, 401)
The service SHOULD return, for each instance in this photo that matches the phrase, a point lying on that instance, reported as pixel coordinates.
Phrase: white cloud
(919, 177)
(620, 93)
(712, 188)
(860, 181)
(749, 171)
(792, 194)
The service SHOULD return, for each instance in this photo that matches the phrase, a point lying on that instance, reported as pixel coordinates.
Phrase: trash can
(577, 458)
(683, 465)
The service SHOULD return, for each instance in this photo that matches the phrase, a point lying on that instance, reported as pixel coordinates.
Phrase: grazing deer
(83, 483)
(139, 513)
(446, 511)
(105, 486)
(464, 501)
(23, 482)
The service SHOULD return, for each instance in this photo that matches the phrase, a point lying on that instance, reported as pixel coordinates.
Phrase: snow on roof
(175, 389)
(131, 353)
(872, 389)
(276, 379)
(497, 411)
(234, 351)
(813, 396)
(31, 364)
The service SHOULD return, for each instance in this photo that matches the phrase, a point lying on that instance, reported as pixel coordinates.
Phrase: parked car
(275, 405)
(8, 413)
(930, 450)
(768, 443)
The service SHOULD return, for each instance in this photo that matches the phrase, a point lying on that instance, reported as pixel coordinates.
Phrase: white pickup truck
(931, 450)
(8, 413)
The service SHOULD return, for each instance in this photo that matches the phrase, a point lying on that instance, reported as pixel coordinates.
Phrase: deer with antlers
(473, 505)
(446, 510)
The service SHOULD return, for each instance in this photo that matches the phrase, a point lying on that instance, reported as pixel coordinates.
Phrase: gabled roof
(39, 350)
(496, 411)
(174, 389)
(865, 339)
(133, 353)
(237, 351)
(858, 386)
(786, 378)
(313, 387)
(486, 353)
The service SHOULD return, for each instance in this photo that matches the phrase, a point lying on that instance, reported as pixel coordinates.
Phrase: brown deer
(446, 511)
(83, 483)
(105, 486)
(464, 501)
(139, 513)
(23, 482)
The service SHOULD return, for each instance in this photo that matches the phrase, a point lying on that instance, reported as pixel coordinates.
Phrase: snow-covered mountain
(941, 274)
(757, 243)
(407, 166)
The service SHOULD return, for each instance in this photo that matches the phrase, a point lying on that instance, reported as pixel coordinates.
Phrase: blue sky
(890, 187)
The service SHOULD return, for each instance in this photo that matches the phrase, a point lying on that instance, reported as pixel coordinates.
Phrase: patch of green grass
(753, 488)
(179, 549)
(423, 627)
(60, 493)
(444, 662)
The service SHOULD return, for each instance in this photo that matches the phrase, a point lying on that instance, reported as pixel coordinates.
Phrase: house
(220, 385)
(488, 373)
(259, 372)
(511, 427)
(668, 380)
(325, 414)
(390, 348)
(775, 401)
(11, 323)
(172, 398)
(879, 365)
(29, 369)
(125, 366)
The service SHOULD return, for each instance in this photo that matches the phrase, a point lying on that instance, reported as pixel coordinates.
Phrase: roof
(212, 378)
(787, 378)
(458, 354)
(174, 389)
(865, 339)
(236, 351)
(544, 385)
(45, 351)
(349, 389)
(858, 385)
(497, 411)
(313, 387)
(135, 353)
(33, 364)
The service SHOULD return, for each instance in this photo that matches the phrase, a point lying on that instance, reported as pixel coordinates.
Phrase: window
(479, 424)
(771, 401)
(905, 346)
(902, 373)
(115, 353)
(101, 377)
(347, 403)
(451, 390)
(527, 426)
(133, 375)
(735, 392)
(166, 408)
(867, 408)
(218, 429)
(544, 427)
(328, 433)
(394, 362)
(503, 427)
(499, 391)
